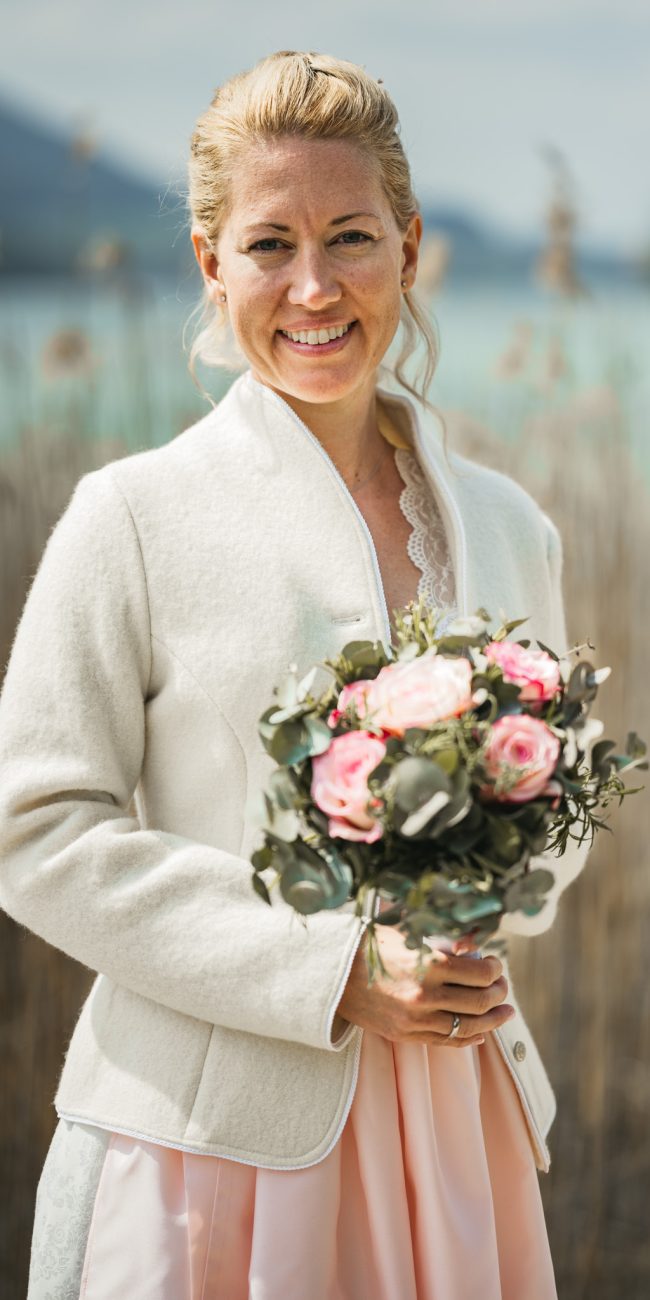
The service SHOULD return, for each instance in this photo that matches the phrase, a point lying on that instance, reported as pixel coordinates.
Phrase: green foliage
(454, 853)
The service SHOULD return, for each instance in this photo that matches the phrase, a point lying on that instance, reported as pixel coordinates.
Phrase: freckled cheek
(375, 294)
(252, 317)
(382, 315)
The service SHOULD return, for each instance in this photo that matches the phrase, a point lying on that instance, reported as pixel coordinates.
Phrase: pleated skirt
(430, 1193)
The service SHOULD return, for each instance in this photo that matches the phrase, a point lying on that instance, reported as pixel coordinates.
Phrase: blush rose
(518, 740)
(419, 693)
(534, 671)
(339, 785)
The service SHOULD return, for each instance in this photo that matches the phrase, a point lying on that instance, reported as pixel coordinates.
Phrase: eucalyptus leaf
(393, 884)
(287, 690)
(451, 645)
(423, 922)
(365, 655)
(527, 893)
(472, 909)
(309, 888)
(469, 831)
(506, 839)
(262, 858)
(320, 733)
(293, 710)
(291, 743)
(390, 915)
(418, 819)
(415, 780)
(580, 686)
(635, 746)
(508, 695)
(598, 754)
(282, 788)
(285, 823)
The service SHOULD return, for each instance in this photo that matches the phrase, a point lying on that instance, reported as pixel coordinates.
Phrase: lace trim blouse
(427, 545)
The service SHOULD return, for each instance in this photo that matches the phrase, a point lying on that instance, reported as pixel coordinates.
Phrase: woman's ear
(410, 248)
(208, 265)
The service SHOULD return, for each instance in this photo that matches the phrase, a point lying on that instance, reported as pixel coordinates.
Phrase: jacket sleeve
(173, 919)
(570, 864)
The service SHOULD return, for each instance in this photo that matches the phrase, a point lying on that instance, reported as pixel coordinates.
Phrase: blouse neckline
(427, 545)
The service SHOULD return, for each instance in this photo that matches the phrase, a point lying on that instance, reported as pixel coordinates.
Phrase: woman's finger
(442, 1022)
(446, 968)
(468, 998)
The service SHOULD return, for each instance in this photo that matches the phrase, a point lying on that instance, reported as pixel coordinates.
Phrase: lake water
(137, 385)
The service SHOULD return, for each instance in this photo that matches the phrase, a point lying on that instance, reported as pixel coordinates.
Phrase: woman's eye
(359, 233)
(352, 237)
(270, 240)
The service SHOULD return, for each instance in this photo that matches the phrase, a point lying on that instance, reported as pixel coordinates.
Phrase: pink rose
(339, 785)
(533, 670)
(353, 691)
(418, 693)
(518, 740)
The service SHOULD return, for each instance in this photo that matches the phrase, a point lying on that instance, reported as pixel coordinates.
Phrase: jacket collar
(421, 430)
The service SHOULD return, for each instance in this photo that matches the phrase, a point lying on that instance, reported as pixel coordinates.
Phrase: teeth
(316, 337)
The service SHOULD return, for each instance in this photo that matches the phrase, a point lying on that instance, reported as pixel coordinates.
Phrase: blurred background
(528, 131)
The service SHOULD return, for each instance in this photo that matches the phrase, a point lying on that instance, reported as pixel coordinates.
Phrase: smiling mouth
(317, 337)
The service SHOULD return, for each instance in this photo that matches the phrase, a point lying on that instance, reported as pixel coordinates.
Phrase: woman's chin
(310, 382)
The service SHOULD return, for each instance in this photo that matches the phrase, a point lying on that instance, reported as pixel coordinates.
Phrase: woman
(239, 1113)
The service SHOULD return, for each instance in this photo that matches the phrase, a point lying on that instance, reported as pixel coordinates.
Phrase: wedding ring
(455, 1026)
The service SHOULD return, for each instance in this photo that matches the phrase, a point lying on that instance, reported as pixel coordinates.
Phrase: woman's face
(310, 243)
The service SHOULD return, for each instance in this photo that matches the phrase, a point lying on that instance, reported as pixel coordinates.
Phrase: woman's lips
(315, 349)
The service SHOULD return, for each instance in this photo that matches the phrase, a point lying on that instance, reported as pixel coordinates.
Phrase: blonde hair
(317, 96)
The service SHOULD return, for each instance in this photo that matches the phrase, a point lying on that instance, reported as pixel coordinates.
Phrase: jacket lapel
(495, 552)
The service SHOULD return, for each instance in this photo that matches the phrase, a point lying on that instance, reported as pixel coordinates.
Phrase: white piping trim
(530, 1118)
(329, 1025)
(332, 467)
(227, 1155)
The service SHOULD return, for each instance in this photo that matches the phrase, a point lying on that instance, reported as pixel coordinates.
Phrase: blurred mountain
(65, 206)
(465, 249)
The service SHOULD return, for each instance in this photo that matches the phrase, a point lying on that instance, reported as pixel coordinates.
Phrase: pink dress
(431, 1192)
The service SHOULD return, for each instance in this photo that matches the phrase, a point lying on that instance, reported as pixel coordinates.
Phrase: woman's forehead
(297, 173)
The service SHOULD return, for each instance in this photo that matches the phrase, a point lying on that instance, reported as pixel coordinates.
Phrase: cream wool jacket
(172, 594)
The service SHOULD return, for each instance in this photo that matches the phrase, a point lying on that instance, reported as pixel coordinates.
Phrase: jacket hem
(224, 1152)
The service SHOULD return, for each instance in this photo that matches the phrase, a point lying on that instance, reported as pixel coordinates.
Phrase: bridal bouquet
(432, 772)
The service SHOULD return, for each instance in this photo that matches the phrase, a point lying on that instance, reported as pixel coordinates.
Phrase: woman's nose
(313, 282)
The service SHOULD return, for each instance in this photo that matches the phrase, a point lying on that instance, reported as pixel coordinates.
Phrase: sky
(483, 89)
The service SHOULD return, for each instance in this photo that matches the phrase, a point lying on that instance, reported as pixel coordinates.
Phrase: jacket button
(519, 1050)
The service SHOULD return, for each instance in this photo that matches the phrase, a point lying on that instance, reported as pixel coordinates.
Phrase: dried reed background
(584, 986)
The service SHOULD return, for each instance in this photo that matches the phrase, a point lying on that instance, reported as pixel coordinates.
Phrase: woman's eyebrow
(336, 221)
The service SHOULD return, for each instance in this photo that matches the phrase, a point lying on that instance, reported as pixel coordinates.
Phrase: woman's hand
(405, 1009)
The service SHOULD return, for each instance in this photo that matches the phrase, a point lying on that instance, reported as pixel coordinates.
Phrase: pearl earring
(403, 283)
(223, 297)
